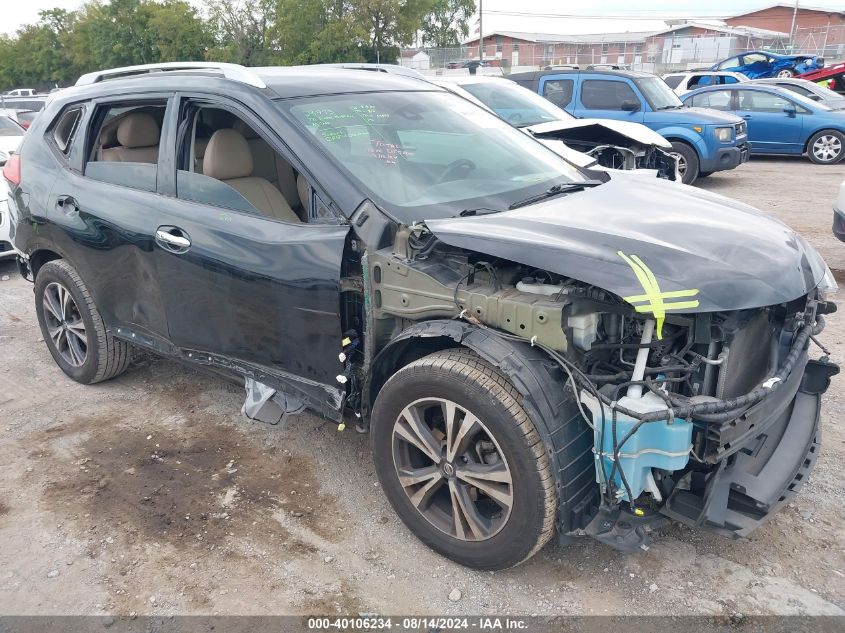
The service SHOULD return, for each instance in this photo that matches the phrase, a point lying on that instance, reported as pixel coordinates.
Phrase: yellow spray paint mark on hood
(654, 301)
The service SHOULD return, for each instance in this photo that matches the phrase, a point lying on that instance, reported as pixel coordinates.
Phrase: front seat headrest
(227, 156)
(138, 129)
(244, 129)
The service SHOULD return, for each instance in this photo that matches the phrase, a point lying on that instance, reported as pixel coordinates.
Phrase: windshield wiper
(555, 190)
(480, 211)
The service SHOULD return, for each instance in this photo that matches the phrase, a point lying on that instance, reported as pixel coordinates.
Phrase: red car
(831, 77)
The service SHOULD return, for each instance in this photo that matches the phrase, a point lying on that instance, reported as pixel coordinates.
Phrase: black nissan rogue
(534, 348)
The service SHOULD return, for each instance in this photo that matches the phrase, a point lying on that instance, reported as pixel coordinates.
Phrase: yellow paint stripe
(655, 298)
(680, 305)
(672, 294)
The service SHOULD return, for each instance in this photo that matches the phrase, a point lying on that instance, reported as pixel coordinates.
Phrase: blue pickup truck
(704, 140)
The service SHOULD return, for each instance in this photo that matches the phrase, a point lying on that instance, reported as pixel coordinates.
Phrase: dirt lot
(151, 494)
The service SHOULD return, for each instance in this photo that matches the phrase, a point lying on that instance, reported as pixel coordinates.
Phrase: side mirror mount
(789, 109)
(3, 158)
(814, 97)
(630, 106)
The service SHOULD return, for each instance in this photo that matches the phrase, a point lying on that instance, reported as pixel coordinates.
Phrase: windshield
(657, 93)
(808, 103)
(673, 81)
(425, 155)
(517, 105)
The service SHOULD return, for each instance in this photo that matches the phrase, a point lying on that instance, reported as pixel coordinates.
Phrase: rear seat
(138, 135)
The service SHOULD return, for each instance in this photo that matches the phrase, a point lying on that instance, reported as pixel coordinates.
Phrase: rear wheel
(461, 462)
(826, 147)
(72, 326)
(786, 72)
(687, 161)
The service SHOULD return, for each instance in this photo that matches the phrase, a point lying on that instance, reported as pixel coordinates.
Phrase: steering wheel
(464, 165)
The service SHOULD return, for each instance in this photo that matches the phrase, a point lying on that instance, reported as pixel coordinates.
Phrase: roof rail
(229, 71)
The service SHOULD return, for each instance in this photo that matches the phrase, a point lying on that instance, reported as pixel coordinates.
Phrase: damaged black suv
(533, 348)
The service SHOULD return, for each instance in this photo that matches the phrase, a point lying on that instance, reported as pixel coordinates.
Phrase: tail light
(12, 169)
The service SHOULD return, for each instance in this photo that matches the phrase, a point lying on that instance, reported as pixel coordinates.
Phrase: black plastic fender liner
(547, 399)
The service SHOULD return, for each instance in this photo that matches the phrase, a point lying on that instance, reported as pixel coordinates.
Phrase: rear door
(771, 130)
(605, 97)
(105, 209)
(243, 287)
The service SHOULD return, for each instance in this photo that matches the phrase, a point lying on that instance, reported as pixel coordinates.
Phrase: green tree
(243, 31)
(388, 24)
(180, 32)
(447, 23)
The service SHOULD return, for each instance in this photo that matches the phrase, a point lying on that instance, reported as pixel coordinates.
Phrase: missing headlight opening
(685, 408)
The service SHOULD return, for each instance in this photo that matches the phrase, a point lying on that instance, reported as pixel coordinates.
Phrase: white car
(594, 143)
(10, 137)
(21, 92)
(685, 82)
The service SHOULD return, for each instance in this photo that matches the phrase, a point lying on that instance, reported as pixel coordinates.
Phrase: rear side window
(559, 91)
(123, 144)
(673, 81)
(65, 127)
(606, 95)
(728, 79)
(716, 100)
(801, 90)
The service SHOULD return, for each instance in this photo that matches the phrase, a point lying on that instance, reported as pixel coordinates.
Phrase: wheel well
(402, 353)
(807, 143)
(673, 139)
(39, 258)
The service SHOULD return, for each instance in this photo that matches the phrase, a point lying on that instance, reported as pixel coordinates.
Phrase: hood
(691, 116)
(573, 156)
(600, 128)
(731, 255)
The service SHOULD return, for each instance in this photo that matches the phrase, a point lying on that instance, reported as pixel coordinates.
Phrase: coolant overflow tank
(654, 445)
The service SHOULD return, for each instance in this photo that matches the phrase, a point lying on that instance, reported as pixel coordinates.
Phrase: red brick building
(778, 17)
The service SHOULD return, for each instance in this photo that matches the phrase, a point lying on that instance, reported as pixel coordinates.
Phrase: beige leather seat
(228, 159)
(267, 164)
(200, 145)
(138, 135)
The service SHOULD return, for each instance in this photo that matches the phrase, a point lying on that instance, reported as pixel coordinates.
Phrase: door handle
(67, 204)
(746, 116)
(173, 239)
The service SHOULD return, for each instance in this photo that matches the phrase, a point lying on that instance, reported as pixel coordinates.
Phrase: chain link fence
(653, 53)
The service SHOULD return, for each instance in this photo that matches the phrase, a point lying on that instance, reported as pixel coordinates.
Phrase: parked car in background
(779, 121)
(839, 214)
(759, 64)
(6, 249)
(11, 133)
(681, 83)
(831, 77)
(809, 89)
(703, 140)
(586, 142)
(378, 250)
(26, 117)
(22, 92)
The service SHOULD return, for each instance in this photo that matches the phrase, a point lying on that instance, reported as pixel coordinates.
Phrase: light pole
(791, 28)
(480, 36)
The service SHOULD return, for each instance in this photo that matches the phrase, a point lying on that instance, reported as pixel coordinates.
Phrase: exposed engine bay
(691, 414)
(612, 149)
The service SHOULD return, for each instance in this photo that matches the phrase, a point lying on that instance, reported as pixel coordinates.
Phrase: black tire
(688, 157)
(704, 174)
(826, 147)
(104, 356)
(466, 380)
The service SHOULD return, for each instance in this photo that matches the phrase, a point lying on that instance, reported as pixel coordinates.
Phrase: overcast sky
(617, 15)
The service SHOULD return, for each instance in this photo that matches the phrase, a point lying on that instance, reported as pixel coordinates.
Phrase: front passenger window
(124, 145)
(606, 95)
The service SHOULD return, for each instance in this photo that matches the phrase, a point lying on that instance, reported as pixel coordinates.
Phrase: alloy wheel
(783, 74)
(682, 165)
(452, 469)
(827, 148)
(65, 324)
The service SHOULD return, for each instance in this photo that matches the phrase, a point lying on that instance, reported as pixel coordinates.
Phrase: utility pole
(480, 36)
(792, 28)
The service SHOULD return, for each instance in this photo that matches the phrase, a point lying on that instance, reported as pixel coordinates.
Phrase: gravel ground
(151, 494)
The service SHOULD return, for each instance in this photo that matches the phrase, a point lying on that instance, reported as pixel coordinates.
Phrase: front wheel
(687, 161)
(826, 147)
(461, 462)
(785, 73)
